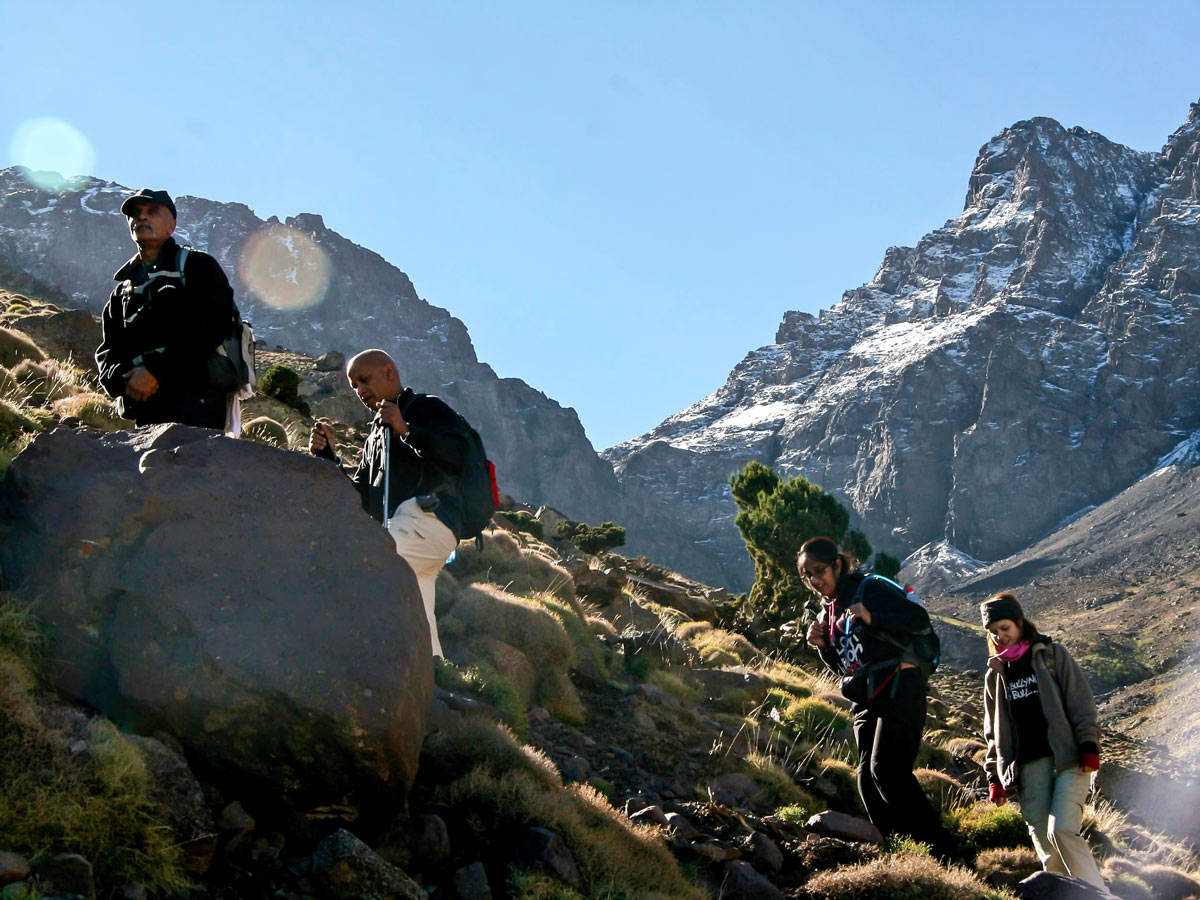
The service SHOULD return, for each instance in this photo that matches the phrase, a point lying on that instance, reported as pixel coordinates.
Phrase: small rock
(743, 882)
(471, 883)
(347, 869)
(131, 892)
(735, 789)
(766, 853)
(714, 850)
(846, 827)
(67, 873)
(541, 848)
(682, 828)
(13, 868)
(1052, 886)
(539, 715)
(652, 814)
(236, 825)
(577, 768)
(433, 841)
(642, 719)
(330, 362)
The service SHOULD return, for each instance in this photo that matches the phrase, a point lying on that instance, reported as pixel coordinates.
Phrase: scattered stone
(844, 826)
(543, 849)
(735, 790)
(577, 768)
(236, 826)
(13, 868)
(330, 362)
(67, 873)
(471, 883)
(347, 869)
(713, 850)
(1052, 886)
(682, 828)
(766, 853)
(743, 882)
(432, 845)
(652, 814)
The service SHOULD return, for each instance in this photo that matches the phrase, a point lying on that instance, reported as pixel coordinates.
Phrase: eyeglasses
(811, 576)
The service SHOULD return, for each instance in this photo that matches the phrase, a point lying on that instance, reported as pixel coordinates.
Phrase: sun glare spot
(56, 153)
(285, 268)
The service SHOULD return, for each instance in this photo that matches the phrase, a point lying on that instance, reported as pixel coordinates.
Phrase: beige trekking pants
(1052, 806)
(424, 542)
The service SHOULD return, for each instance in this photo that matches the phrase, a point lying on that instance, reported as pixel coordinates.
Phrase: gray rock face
(1032, 357)
(74, 241)
(231, 595)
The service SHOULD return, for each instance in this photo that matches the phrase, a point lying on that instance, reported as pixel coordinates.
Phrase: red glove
(996, 793)
(1089, 762)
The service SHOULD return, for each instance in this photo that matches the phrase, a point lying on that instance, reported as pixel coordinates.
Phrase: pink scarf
(1015, 652)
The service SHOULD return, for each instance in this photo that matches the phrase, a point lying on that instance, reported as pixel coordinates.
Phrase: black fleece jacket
(154, 319)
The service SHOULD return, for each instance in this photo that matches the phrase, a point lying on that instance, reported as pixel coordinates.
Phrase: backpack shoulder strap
(181, 262)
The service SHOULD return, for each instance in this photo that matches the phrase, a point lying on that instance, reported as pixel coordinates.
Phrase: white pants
(1052, 806)
(424, 542)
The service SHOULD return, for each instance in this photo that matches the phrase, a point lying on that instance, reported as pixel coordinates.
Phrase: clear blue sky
(620, 199)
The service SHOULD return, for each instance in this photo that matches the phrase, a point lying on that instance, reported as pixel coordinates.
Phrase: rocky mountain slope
(308, 288)
(1031, 358)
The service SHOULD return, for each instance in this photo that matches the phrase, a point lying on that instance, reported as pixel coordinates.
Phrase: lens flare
(56, 153)
(285, 268)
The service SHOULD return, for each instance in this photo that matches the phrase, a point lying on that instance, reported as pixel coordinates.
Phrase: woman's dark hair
(825, 550)
(1029, 631)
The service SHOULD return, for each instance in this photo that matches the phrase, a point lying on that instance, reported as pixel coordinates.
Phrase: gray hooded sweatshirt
(1067, 703)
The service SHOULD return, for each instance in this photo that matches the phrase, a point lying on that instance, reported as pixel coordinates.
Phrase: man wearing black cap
(162, 324)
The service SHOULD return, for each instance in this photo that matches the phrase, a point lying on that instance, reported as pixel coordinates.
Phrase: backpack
(923, 648)
(231, 364)
(477, 490)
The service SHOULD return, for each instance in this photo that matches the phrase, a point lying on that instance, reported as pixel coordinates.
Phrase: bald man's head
(372, 375)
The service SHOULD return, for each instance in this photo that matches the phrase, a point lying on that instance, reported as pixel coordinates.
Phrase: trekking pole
(387, 472)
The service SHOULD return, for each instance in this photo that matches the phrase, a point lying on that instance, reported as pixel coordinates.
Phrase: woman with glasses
(1043, 736)
(862, 623)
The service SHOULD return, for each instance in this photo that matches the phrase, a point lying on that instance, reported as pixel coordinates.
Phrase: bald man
(428, 449)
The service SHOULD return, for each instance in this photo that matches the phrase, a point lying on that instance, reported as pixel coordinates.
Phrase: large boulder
(230, 594)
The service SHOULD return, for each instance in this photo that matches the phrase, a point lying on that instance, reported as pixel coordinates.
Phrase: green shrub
(522, 521)
(283, 383)
(675, 686)
(592, 538)
(794, 813)
(886, 565)
(984, 826)
(812, 719)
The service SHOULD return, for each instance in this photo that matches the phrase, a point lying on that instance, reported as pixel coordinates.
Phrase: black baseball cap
(145, 195)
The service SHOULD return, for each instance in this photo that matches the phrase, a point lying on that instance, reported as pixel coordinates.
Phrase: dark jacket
(427, 460)
(852, 653)
(154, 319)
(1067, 702)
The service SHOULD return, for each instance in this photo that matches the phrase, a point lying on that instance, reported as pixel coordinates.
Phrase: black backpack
(477, 491)
(921, 648)
(231, 364)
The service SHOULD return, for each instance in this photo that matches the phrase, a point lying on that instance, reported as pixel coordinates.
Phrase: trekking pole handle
(387, 472)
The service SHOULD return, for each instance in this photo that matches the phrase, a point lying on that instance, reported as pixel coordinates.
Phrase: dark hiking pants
(887, 731)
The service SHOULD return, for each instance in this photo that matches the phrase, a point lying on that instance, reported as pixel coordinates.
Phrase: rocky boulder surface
(229, 594)
(1031, 358)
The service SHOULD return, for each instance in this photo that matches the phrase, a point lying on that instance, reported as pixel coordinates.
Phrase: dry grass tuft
(844, 777)
(944, 792)
(91, 408)
(499, 788)
(266, 430)
(721, 648)
(41, 383)
(503, 562)
(908, 875)
(964, 746)
(16, 346)
(1006, 867)
(1132, 880)
(485, 611)
(984, 826)
(778, 786)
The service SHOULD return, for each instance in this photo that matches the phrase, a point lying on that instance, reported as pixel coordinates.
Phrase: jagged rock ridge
(1030, 358)
(75, 240)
